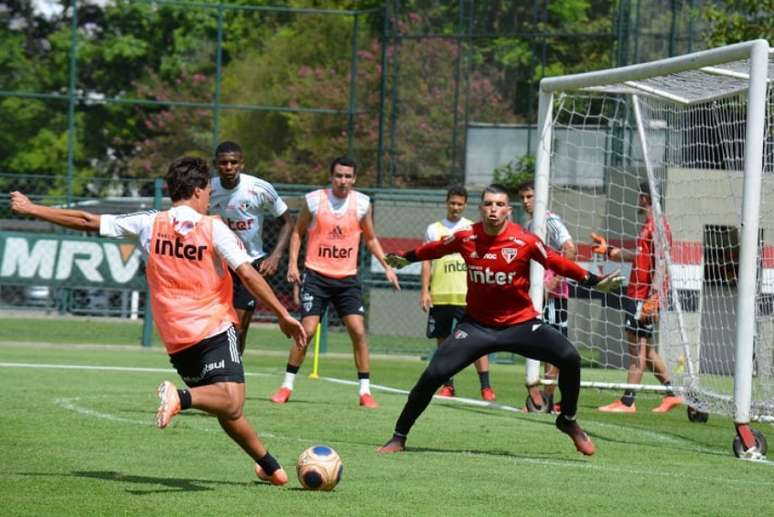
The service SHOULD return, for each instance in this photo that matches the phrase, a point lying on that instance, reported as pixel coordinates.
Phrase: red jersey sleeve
(550, 259)
(445, 246)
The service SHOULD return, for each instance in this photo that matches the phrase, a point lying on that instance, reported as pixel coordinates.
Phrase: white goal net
(695, 132)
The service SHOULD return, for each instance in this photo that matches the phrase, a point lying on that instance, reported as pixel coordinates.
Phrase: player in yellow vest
(187, 253)
(444, 287)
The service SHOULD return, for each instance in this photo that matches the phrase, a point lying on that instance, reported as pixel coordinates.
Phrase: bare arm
(297, 233)
(271, 264)
(258, 287)
(424, 294)
(73, 219)
(373, 245)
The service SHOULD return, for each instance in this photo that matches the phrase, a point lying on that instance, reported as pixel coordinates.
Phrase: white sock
(290, 378)
(365, 386)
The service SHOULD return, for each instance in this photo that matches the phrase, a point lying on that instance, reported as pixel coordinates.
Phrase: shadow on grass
(169, 484)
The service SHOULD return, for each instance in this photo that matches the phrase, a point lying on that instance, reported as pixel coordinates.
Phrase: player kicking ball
(499, 316)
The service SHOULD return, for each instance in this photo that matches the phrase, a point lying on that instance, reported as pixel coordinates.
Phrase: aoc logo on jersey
(509, 254)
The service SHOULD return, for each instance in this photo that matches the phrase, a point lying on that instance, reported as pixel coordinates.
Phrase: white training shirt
(139, 225)
(336, 205)
(243, 208)
(556, 232)
(432, 234)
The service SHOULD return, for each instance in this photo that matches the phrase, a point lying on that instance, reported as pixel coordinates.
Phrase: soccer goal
(696, 130)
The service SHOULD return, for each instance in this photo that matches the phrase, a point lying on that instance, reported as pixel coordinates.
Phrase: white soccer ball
(319, 468)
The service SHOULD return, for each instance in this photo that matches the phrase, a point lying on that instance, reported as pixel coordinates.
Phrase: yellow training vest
(448, 276)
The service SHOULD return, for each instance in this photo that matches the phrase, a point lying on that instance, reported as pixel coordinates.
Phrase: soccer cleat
(668, 403)
(618, 407)
(279, 477)
(169, 404)
(581, 440)
(488, 394)
(394, 444)
(367, 400)
(446, 391)
(282, 395)
(556, 409)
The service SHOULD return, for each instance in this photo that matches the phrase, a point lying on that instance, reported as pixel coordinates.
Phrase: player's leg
(314, 302)
(468, 342)
(347, 298)
(635, 337)
(537, 340)
(244, 305)
(659, 369)
(555, 314)
(219, 392)
(440, 321)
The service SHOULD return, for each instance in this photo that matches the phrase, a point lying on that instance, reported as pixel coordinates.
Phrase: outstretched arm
(373, 245)
(73, 219)
(258, 287)
(550, 259)
(271, 264)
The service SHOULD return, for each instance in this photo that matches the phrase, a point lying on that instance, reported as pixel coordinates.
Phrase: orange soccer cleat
(367, 400)
(618, 407)
(279, 477)
(446, 391)
(488, 394)
(169, 404)
(581, 440)
(282, 395)
(668, 403)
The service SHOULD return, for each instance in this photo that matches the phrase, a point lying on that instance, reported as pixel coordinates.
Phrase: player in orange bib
(334, 219)
(188, 255)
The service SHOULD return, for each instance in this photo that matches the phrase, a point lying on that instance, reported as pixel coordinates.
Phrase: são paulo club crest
(508, 254)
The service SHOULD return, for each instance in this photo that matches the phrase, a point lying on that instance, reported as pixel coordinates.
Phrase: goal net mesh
(683, 135)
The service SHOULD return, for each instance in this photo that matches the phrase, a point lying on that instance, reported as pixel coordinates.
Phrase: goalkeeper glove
(600, 245)
(650, 308)
(396, 261)
(610, 282)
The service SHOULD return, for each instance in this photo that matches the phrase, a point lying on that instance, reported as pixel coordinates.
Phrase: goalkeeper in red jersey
(500, 316)
(641, 306)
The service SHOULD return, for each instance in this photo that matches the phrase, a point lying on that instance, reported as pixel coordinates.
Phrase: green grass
(81, 441)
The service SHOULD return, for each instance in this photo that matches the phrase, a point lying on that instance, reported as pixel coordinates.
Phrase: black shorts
(555, 313)
(211, 360)
(633, 311)
(317, 291)
(442, 319)
(241, 297)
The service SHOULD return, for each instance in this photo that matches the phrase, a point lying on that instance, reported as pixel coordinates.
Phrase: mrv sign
(44, 259)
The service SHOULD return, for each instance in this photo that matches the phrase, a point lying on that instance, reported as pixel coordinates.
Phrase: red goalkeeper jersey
(498, 270)
(644, 264)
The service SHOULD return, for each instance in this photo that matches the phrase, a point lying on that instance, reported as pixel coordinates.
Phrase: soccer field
(78, 438)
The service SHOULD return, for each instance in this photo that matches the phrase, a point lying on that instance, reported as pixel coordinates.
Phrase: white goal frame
(757, 52)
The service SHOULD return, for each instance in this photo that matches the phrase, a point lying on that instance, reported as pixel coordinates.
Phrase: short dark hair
(186, 174)
(344, 160)
(457, 190)
(227, 147)
(495, 188)
(524, 185)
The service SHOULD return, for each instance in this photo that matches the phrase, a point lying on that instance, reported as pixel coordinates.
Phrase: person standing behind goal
(641, 307)
(444, 286)
(334, 219)
(186, 254)
(557, 291)
(241, 200)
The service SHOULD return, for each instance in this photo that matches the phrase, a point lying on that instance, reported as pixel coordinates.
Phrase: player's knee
(232, 410)
(569, 358)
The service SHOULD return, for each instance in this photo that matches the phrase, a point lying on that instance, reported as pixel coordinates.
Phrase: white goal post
(698, 129)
